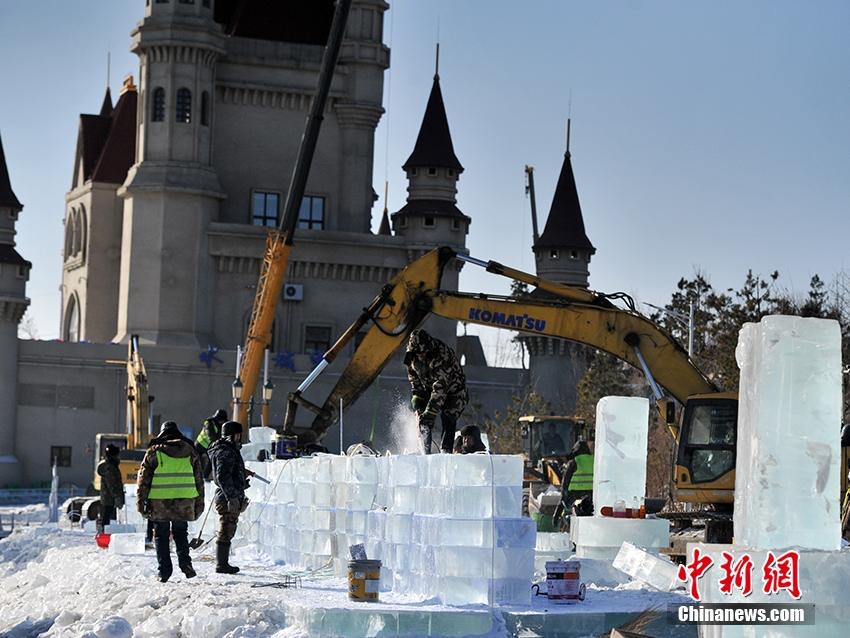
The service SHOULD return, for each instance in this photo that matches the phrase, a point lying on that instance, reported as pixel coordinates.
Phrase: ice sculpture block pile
(789, 424)
(445, 526)
(619, 473)
(652, 570)
(619, 456)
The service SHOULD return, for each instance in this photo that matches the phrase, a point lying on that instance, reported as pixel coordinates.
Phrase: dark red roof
(279, 20)
(565, 224)
(106, 107)
(106, 144)
(434, 144)
(119, 151)
(7, 195)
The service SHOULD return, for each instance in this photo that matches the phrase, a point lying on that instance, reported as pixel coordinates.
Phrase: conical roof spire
(7, 195)
(384, 228)
(106, 107)
(565, 224)
(434, 145)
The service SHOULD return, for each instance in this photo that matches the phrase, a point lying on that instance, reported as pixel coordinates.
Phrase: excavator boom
(594, 321)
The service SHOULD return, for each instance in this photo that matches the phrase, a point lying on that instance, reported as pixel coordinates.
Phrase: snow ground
(24, 514)
(57, 583)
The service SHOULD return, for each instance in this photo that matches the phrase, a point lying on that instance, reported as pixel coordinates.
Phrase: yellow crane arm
(414, 293)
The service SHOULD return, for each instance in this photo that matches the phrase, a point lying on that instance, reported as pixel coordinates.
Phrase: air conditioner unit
(293, 292)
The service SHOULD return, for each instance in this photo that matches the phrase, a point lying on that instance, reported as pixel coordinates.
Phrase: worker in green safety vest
(577, 479)
(209, 434)
(170, 492)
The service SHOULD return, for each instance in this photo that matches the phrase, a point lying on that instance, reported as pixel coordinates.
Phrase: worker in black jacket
(111, 487)
(228, 471)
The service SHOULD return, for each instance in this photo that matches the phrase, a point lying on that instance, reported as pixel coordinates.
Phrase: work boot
(188, 570)
(222, 566)
(163, 576)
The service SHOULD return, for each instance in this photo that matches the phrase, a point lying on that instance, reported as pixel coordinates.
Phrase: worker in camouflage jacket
(228, 471)
(438, 387)
(111, 486)
(170, 493)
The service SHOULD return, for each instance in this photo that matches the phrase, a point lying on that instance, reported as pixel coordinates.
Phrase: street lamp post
(236, 390)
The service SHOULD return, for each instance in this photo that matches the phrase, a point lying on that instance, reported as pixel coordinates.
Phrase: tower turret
(14, 272)
(431, 216)
(563, 251)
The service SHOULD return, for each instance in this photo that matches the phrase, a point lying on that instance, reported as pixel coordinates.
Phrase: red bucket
(102, 540)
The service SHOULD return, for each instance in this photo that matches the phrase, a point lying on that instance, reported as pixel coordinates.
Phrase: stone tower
(562, 254)
(172, 192)
(14, 272)
(431, 218)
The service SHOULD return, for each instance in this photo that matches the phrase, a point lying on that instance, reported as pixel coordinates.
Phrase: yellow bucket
(364, 580)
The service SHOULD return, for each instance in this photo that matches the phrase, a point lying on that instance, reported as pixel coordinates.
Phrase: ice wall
(444, 526)
(619, 463)
(789, 423)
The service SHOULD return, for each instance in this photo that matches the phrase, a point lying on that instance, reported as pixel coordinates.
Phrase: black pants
(107, 514)
(180, 531)
(447, 440)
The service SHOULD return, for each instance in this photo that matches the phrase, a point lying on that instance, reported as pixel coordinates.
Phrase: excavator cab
(705, 459)
(549, 436)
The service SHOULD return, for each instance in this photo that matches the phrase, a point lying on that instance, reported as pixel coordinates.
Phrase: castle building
(174, 188)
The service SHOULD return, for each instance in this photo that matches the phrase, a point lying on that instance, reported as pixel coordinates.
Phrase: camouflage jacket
(435, 375)
(170, 509)
(228, 471)
(111, 485)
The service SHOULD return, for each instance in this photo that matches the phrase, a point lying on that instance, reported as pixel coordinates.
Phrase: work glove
(244, 506)
(418, 403)
(199, 508)
(234, 506)
(144, 507)
(426, 420)
(119, 502)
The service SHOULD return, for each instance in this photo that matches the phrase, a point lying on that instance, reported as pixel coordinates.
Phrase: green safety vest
(203, 438)
(582, 478)
(173, 478)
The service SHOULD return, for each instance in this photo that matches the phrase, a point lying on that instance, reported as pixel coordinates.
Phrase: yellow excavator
(704, 471)
(131, 443)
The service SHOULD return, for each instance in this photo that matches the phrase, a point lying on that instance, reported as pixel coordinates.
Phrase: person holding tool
(228, 471)
(438, 387)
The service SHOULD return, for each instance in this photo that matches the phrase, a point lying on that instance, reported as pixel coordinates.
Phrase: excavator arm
(571, 313)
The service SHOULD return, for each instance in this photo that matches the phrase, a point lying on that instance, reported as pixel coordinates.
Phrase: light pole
(686, 322)
(236, 390)
(268, 389)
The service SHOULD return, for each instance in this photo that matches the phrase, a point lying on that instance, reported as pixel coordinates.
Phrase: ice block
(619, 456)
(645, 567)
(127, 544)
(789, 423)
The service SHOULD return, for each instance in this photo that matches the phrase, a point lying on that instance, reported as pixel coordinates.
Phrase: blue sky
(709, 135)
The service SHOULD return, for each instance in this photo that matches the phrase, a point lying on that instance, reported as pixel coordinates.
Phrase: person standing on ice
(209, 434)
(171, 493)
(577, 479)
(438, 387)
(228, 471)
(111, 487)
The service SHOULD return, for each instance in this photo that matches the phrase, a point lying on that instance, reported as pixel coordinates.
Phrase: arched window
(205, 108)
(82, 232)
(72, 320)
(184, 106)
(158, 105)
(69, 235)
(75, 233)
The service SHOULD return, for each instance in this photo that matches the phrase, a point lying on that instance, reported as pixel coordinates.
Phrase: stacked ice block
(789, 422)
(619, 473)
(619, 457)
(443, 526)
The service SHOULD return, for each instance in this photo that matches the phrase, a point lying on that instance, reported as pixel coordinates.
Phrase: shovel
(196, 542)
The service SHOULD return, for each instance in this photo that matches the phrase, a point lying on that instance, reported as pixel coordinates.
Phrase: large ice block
(619, 456)
(261, 435)
(601, 537)
(485, 469)
(645, 567)
(789, 423)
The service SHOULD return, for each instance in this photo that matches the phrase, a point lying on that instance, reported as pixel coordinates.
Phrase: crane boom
(279, 241)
